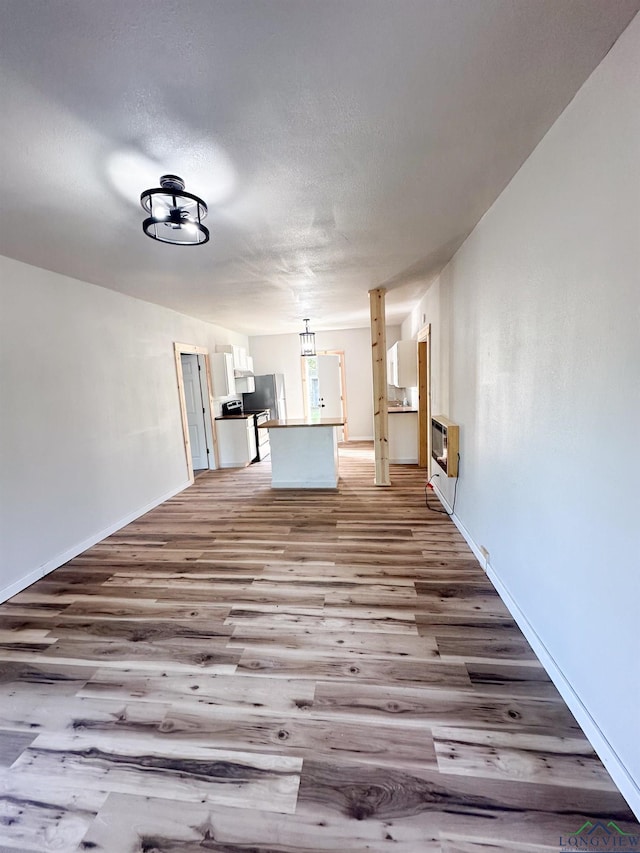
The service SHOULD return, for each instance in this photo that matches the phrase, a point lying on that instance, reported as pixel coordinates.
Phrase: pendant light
(175, 216)
(307, 340)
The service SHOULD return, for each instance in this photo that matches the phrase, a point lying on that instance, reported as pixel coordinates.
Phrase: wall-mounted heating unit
(445, 437)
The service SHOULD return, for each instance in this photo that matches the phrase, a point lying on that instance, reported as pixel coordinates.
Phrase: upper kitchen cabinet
(222, 374)
(238, 354)
(242, 367)
(402, 364)
(245, 384)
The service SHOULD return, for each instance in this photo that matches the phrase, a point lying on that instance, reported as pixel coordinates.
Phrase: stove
(232, 407)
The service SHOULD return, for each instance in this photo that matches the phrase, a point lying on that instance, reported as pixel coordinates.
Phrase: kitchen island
(304, 453)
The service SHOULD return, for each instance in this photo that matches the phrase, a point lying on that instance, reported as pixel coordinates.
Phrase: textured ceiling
(341, 144)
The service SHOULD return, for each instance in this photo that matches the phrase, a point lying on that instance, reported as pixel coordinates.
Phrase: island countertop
(301, 422)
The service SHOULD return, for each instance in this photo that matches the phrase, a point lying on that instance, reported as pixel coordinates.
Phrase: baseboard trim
(308, 484)
(16, 587)
(609, 757)
(60, 559)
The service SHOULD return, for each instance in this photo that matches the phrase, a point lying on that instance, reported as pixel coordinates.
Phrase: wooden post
(423, 405)
(424, 398)
(379, 364)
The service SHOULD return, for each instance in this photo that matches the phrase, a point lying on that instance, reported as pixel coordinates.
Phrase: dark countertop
(234, 417)
(400, 410)
(302, 422)
(243, 416)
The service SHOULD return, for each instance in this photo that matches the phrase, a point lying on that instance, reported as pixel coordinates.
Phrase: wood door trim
(305, 390)
(424, 397)
(214, 434)
(343, 387)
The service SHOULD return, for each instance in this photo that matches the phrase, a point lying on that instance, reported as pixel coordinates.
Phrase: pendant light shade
(175, 216)
(307, 341)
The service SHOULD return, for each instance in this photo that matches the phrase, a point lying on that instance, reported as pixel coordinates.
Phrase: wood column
(424, 398)
(423, 406)
(379, 364)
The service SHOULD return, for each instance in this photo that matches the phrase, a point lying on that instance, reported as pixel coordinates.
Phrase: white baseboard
(308, 484)
(624, 780)
(16, 587)
(60, 559)
(609, 757)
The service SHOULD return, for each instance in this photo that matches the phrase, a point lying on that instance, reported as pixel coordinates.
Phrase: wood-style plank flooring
(250, 671)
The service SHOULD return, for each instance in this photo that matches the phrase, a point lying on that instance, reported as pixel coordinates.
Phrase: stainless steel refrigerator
(269, 394)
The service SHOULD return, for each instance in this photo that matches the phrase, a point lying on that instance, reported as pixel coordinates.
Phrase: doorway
(194, 404)
(194, 387)
(324, 388)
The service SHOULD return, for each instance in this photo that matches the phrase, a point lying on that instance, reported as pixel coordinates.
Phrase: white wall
(536, 354)
(281, 354)
(90, 429)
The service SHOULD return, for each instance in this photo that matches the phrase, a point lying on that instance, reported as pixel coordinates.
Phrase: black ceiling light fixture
(307, 340)
(175, 216)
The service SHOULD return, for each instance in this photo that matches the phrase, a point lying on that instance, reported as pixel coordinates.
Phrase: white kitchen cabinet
(402, 364)
(403, 437)
(238, 354)
(224, 383)
(392, 366)
(236, 441)
(245, 384)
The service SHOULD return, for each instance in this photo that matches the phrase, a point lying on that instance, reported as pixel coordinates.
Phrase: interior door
(330, 387)
(195, 410)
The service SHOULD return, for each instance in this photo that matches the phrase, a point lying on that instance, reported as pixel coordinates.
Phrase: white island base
(304, 455)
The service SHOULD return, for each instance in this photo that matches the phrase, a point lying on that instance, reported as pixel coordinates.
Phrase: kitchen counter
(304, 453)
(234, 417)
(302, 422)
(239, 442)
(403, 436)
(241, 417)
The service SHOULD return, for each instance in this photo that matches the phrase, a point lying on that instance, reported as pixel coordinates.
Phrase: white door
(195, 411)
(330, 388)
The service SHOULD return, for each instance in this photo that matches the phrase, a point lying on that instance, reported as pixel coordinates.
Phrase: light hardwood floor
(249, 671)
